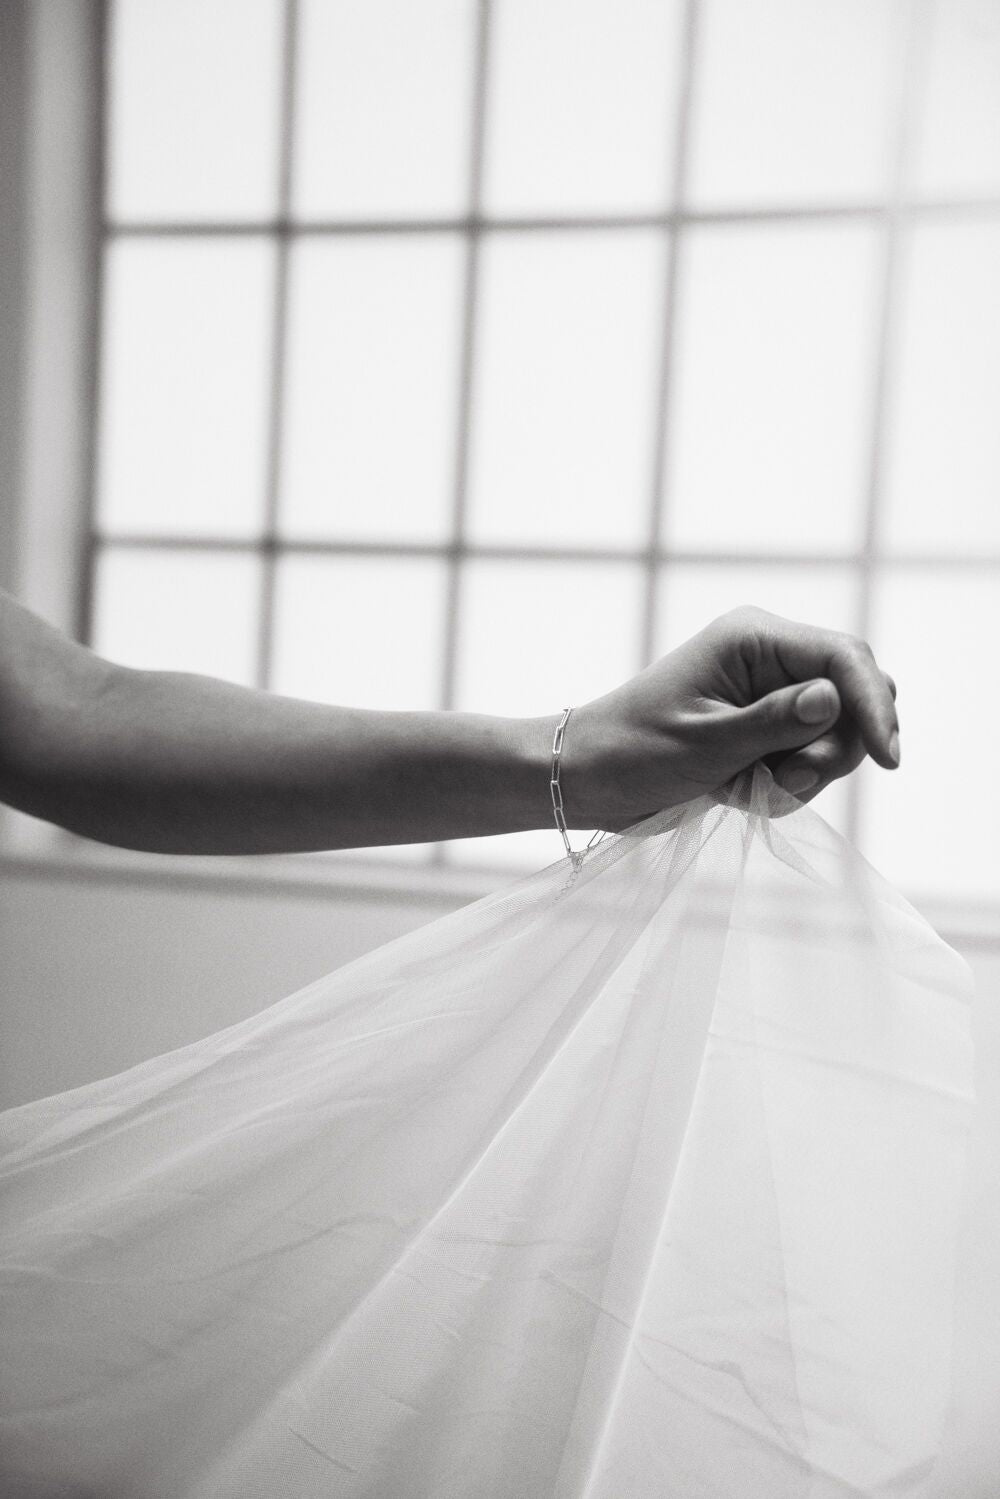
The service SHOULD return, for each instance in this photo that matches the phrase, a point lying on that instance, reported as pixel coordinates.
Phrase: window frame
(56, 532)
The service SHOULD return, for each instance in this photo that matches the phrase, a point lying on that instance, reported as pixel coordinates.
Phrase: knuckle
(742, 613)
(734, 626)
(855, 652)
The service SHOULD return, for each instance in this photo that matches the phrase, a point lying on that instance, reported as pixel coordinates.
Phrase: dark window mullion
(530, 552)
(279, 340)
(542, 223)
(101, 125)
(463, 419)
(911, 91)
(678, 192)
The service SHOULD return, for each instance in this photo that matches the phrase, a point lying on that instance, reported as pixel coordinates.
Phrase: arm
(178, 763)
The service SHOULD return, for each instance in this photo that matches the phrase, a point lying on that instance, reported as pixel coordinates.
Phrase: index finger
(806, 651)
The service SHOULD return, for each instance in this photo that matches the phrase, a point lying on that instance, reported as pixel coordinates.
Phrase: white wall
(49, 267)
(100, 971)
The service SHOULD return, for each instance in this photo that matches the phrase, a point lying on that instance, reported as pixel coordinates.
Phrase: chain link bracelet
(576, 856)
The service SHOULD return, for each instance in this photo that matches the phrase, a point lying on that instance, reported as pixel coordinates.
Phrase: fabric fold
(646, 1183)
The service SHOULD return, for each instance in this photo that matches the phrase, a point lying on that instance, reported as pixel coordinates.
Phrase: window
(470, 355)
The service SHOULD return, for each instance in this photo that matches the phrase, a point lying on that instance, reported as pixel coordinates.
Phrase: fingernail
(816, 702)
(798, 780)
(894, 746)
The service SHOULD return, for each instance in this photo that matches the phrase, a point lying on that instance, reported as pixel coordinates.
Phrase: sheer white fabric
(655, 1185)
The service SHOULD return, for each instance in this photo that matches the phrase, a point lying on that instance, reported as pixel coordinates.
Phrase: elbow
(51, 750)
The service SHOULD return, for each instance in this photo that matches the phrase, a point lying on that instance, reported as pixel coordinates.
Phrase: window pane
(793, 100)
(958, 142)
(582, 104)
(194, 107)
(384, 104)
(943, 425)
(769, 421)
(691, 596)
(364, 632)
(566, 387)
(931, 827)
(371, 405)
(178, 611)
(185, 386)
(536, 636)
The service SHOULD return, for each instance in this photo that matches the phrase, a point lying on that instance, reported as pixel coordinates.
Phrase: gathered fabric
(662, 1179)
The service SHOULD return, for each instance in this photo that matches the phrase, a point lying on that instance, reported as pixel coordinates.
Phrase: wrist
(577, 769)
(529, 742)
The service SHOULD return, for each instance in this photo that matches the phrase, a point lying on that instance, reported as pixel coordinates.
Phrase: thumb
(785, 719)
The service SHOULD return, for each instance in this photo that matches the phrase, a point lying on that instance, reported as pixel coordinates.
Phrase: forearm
(186, 764)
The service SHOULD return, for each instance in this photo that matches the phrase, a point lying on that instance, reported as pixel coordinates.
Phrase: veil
(650, 1181)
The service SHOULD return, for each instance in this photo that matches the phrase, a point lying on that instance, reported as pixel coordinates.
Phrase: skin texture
(178, 763)
(750, 686)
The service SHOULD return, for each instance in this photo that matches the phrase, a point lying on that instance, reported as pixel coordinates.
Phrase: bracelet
(575, 855)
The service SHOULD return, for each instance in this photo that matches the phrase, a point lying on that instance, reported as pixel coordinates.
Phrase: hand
(808, 702)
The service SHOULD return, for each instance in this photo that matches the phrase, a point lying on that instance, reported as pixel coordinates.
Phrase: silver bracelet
(575, 855)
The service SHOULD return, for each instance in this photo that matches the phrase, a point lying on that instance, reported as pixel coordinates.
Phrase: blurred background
(472, 355)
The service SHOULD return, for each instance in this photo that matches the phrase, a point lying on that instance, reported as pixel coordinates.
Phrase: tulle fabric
(651, 1181)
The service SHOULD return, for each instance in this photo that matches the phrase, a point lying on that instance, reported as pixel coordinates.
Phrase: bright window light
(582, 101)
(690, 595)
(366, 632)
(568, 341)
(793, 101)
(768, 436)
(185, 386)
(938, 633)
(371, 388)
(178, 611)
(384, 100)
(194, 109)
(958, 141)
(943, 427)
(539, 635)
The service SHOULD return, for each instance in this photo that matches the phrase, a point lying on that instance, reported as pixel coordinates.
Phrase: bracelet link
(575, 855)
